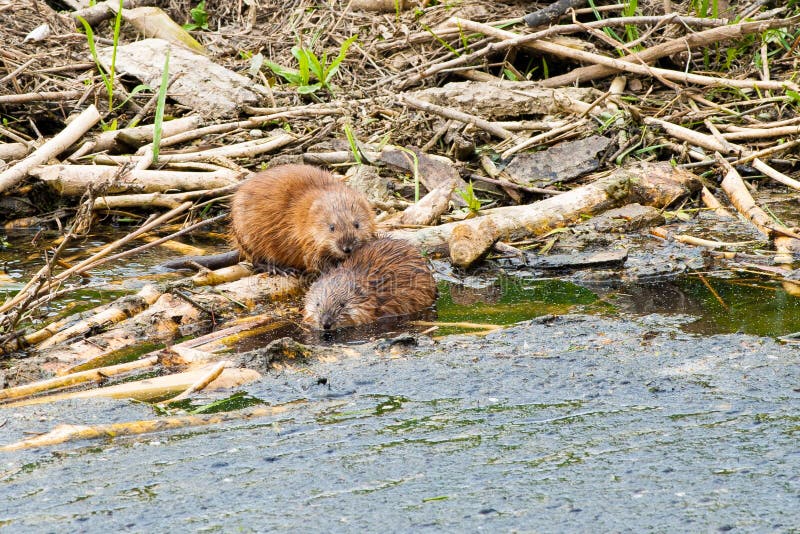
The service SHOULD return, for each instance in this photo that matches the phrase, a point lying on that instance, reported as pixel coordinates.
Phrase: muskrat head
(341, 221)
(337, 299)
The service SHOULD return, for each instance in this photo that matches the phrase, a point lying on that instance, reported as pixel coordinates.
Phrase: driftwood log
(651, 184)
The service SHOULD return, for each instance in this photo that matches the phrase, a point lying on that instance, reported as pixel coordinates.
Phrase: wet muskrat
(383, 278)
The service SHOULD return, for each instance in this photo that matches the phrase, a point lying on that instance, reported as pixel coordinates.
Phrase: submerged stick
(205, 380)
(65, 433)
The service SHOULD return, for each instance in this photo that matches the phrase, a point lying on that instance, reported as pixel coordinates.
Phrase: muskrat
(298, 217)
(383, 278)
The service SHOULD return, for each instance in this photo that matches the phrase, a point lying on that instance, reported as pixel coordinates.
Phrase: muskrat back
(383, 278)
(299, 217)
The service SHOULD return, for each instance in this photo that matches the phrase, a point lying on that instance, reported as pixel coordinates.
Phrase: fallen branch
(75, 180)
(653, 184)
(52, 148)
(619, 65)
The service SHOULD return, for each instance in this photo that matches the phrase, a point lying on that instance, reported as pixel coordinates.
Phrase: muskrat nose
(347, 249)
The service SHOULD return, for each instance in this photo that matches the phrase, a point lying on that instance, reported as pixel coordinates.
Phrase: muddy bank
(572, 423)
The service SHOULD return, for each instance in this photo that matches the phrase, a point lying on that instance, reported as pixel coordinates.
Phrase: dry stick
(696, 138)
(672, 75)
(761, 133)
(159, 199)
(775, 175)
(541, 137)
(19, 69)
(737, 192)
(66, 137)
(76, 180)
(239, 150)
(559, 30)
(687, 42)
(155, 243)
(450, 113)
(766, 152)
(713, 291)
(129, 304)
(512, 185)
(54, 96)
(65, 433)
(249, 123)
(136, 136)
(712, 202)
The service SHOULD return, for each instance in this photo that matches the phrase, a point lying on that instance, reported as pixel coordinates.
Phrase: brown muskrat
(383, 278)
(298, 217)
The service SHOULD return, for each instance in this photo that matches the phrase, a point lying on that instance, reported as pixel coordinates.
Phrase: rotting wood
(174, 315)
(150, 388)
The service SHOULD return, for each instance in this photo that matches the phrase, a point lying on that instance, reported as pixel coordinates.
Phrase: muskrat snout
(347, 245)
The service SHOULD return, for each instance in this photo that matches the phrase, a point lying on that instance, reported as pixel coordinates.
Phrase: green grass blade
(334, 66)
(90, 39)
(160, 104)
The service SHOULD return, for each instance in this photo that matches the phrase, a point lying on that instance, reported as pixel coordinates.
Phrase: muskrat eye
(356, 225)
(332, 227)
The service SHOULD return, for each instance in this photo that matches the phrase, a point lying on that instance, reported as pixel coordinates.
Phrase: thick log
(654, 184)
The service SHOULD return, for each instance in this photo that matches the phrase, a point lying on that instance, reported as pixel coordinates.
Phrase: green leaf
(308, 89)
(199, 16)
(290, 75)
(302, 62)
(334, 66)
(316, 67)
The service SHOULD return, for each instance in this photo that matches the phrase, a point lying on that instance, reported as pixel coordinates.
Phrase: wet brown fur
(384, 278)
(282, 217)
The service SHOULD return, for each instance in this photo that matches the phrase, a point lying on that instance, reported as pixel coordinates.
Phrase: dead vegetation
(467, 129)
